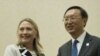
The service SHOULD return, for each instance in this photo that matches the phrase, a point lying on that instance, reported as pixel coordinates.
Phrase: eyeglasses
(71, 18)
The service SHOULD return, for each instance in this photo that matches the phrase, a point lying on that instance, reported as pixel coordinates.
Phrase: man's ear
(84, 21)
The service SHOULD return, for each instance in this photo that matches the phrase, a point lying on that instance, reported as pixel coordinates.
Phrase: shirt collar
(80, 38)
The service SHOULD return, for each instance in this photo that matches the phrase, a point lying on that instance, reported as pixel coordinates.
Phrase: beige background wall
(48, 15)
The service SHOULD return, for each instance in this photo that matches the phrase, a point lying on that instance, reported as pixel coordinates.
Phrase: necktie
(74, 48)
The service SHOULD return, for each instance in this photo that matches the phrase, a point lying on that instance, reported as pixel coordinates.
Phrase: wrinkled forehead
(73, 12)
(25, 23)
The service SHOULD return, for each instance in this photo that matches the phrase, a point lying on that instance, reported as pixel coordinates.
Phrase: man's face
(73, 21)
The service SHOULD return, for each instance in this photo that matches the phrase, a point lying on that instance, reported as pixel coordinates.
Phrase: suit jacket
(93, 49)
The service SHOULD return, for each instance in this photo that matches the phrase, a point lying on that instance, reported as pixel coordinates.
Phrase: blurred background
(48, 14)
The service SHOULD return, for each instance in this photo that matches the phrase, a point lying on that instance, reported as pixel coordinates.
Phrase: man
(82, 43)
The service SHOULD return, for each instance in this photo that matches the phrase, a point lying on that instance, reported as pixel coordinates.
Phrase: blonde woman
(28, 40)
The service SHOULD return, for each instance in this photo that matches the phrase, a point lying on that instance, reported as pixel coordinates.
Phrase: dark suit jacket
(92, 50)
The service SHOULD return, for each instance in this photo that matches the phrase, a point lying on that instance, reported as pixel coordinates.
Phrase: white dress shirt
(80, 39)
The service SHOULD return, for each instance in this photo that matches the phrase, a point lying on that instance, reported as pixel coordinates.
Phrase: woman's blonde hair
(36, 44)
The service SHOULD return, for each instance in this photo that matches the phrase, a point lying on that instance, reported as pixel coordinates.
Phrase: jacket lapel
(68, 51)
(86, 45)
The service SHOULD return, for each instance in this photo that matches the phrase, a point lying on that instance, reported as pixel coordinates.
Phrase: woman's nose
(25, 32)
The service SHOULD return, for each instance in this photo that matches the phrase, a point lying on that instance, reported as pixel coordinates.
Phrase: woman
(28, 40)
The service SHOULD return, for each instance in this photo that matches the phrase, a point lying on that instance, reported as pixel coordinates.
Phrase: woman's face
(26, 32)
